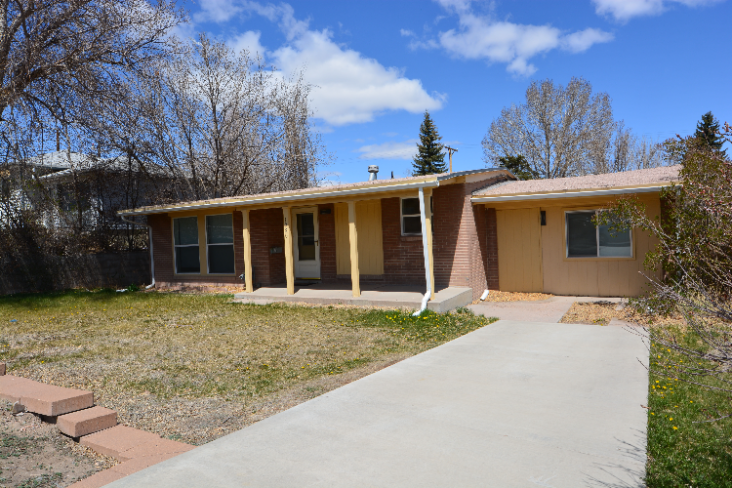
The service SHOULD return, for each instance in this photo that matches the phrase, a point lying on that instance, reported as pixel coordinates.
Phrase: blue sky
(377, 65)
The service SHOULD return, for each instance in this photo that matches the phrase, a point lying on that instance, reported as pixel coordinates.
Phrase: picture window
(586, 240)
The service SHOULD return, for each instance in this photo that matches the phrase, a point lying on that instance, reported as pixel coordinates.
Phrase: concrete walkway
(372, 295)
(514, 404)
(549, 310)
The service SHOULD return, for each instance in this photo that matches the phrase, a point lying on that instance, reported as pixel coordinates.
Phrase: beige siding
(519, 250)
(572, 276)
(370, 244)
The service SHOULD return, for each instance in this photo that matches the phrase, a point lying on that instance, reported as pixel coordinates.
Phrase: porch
(372, 295)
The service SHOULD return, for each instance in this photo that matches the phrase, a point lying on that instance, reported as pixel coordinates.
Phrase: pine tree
(708, 131)
(520, 168)
(430, 158)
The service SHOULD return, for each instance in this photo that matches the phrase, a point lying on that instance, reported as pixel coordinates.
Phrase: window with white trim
(587, 240)
(185, 241)
(411, 217)
(220, 244)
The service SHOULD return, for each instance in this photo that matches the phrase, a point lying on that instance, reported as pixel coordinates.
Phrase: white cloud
(389, 150)
(483, 37)
(624, 10)
(249, 41)
(583, 40)
(218, 10)
(349, 88)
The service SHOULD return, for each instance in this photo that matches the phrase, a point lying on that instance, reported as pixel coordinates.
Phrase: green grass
(684, 448)
(193, 346)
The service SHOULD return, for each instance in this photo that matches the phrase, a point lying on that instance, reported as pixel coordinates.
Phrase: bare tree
(565, 131)
(220, 123)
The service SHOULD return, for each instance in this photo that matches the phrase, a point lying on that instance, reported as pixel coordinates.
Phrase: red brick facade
(464, 244)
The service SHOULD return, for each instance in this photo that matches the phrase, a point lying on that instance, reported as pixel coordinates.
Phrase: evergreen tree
(430, 158)
(708, 131)
(520, 168)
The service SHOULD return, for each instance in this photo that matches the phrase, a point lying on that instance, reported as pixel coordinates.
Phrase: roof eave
(567, 194)
(254, 200)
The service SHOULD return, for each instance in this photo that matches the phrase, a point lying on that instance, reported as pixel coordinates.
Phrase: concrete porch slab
(387, 296)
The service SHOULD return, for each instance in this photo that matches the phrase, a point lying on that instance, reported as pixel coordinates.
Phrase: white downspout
(152, 256)
(425, 251)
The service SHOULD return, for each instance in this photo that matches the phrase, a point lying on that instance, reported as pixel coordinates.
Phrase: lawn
(686, 447)
(195, 367)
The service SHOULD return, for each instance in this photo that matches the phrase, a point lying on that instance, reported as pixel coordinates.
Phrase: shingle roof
(315, 192)
(643, 177)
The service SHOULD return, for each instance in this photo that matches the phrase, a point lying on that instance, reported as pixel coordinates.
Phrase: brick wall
(403, 257)
(266, 231)
(464, 239)
(491, 239)
(327, 243)
(162, 247)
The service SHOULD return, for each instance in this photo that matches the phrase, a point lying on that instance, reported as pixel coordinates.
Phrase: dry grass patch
(601, 313)
(195, 367)
(507, 296)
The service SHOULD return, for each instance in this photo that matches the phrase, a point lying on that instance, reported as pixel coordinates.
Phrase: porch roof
(638, 181)
(316, 193)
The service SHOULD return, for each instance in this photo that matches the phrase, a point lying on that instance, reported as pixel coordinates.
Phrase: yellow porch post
(353, 241)
(247, 238)
(289, 260)
(428, 231)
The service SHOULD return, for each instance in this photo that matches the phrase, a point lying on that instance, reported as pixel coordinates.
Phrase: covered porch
(371, 295)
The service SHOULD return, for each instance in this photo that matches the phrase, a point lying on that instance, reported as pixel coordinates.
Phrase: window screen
(220, 244)
(411, 219)
(185, 236)
(585, 240)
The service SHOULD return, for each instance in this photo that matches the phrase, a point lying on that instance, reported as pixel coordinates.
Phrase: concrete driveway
(515, 404)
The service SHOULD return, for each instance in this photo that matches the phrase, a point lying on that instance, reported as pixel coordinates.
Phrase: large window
(220, 244)
(586, 240)
(185, 235)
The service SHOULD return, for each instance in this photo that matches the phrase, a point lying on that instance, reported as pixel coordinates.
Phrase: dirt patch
(34, 454)
(505, 296)
(601, 313)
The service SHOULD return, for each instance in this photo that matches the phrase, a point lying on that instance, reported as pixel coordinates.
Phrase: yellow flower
(676, 428)
(670, 418)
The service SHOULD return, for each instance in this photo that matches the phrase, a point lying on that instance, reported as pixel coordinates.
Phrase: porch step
(87, 421)
(43, 399)
(99, 479)
(113, 442)
(157, 447)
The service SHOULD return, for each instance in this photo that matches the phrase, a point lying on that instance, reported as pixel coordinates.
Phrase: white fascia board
(287, 198)
(566, 194)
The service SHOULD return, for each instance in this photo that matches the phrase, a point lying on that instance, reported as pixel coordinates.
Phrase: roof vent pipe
(374, 170)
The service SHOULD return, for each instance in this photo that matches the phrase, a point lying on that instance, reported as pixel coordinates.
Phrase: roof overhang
(286, 198)
(566, 194)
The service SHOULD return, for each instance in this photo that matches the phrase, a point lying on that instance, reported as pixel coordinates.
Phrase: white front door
(307, 247)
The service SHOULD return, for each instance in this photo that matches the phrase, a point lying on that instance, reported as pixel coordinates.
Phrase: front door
(307, 248)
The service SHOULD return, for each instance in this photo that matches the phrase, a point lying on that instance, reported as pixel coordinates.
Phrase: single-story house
(478, 229)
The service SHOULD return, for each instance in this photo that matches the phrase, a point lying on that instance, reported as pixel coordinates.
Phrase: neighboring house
(478, 229)
(87, 191)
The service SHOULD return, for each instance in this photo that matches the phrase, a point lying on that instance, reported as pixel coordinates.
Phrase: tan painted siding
(519, 250)
(370, 242)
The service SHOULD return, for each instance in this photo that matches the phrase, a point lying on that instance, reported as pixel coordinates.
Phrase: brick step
(87, 421)
(121, 470)
(113, 442)
(43, 399)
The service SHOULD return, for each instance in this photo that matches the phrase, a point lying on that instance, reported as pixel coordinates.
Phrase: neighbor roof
(376, 186)
(638, 181)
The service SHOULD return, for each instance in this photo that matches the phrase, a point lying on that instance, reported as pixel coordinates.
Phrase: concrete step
(99, 479)
(87, 421)
(44, 399)
(113, 442)
(155, 448)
